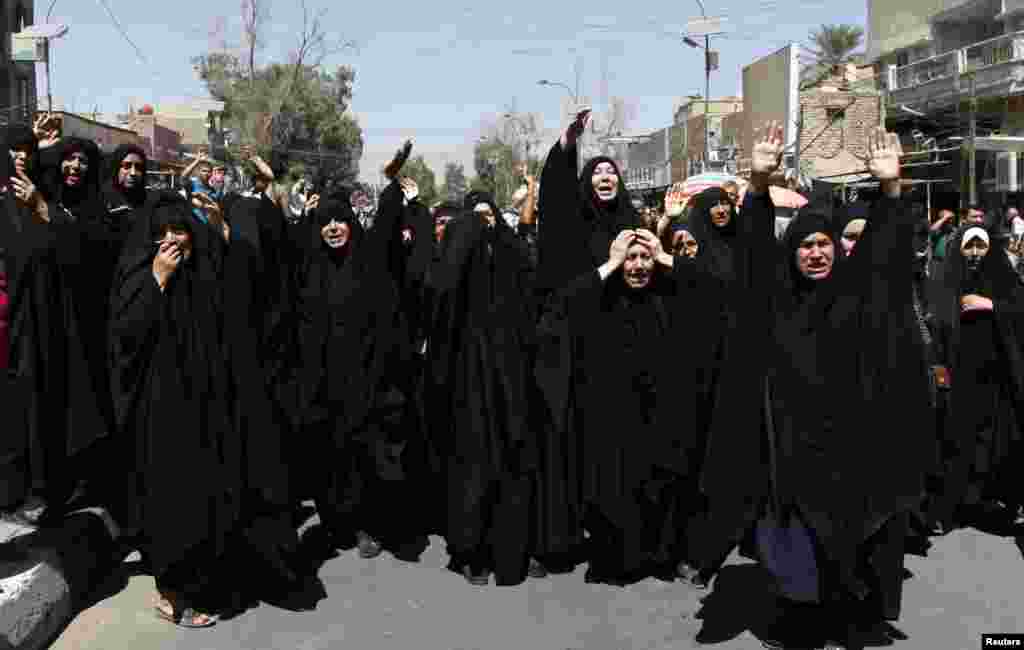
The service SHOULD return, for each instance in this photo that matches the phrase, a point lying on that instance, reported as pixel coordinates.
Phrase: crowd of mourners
(581, 384)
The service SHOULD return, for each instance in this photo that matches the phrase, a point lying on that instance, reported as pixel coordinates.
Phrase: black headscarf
(715, 244)
(84, 201)
(580, 227)
(795, 290)
(350, 335)
(171, 391)
(115, 193)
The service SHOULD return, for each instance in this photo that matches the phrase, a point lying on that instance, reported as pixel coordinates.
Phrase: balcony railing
(996, 51)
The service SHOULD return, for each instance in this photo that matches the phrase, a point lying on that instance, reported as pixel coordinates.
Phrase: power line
(120, 29)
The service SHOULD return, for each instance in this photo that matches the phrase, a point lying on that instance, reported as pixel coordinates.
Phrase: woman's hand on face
(166, 262)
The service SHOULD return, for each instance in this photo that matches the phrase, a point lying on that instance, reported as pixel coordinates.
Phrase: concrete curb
(44, 572)
(36, 600)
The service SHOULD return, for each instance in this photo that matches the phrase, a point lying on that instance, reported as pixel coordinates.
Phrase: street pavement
(971, 583)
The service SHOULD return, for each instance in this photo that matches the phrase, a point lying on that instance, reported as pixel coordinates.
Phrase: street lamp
(710, 61)
(575, 96)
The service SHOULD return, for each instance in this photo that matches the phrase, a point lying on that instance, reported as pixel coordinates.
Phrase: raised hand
(24, 189)
(766, 156)
(884, 151)
(578, 126)
(47, 129)
(410, 189)
(395, 166)
(675, 201)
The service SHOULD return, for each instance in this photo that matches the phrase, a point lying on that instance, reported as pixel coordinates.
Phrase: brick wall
(834, 123)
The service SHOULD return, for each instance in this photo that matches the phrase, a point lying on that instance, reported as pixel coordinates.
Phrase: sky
(436, 72)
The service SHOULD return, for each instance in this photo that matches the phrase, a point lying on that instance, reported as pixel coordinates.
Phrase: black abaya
(58, 316)
(351, 379)
(577, 233)
(171, 395)
(982, 351)
(478, 392)
(634, 410)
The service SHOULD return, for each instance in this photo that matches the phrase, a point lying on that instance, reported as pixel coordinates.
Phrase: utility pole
(797, 145)
(707, 99)
(972, 153)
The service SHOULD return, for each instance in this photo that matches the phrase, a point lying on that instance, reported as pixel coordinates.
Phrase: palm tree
(834, 47)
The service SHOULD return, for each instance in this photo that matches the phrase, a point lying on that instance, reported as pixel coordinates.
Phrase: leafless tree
(255, 14)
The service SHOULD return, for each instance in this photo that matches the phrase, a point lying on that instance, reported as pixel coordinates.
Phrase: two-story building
(693, 153)
(938, 57)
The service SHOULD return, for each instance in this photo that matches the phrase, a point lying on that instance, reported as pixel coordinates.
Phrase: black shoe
(693, 575)
(480, 578)
(536, 569)
(368, 546)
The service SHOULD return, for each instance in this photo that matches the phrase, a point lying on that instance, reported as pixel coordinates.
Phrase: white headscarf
(974, 231)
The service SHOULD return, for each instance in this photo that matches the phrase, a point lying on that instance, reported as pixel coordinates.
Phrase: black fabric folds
(478, 390)
(172, 394)
(715, 244)
(848, 389)
(982, 351)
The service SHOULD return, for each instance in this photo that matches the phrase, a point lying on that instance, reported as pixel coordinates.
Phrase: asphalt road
(971, 583)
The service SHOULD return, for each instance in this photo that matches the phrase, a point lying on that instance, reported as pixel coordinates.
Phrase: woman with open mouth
(582, 215)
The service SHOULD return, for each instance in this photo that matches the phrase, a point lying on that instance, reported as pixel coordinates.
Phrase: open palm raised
(766, 156)
(884, 151)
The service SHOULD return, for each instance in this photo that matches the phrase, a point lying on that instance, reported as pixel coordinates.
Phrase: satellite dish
(45, 30)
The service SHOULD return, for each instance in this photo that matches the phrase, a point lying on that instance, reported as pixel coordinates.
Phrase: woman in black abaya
(582, 216)
(833, 541)
(979, 312)
(350, 385)
(58, 323)
(171, 395)
(635, 394)
(477, 395)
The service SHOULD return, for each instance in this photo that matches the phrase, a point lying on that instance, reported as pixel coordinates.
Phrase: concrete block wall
(825, 134)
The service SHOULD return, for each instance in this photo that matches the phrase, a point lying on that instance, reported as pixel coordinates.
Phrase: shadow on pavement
(743, 600)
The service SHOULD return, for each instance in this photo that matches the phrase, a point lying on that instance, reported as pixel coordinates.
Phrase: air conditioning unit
(1008, 172)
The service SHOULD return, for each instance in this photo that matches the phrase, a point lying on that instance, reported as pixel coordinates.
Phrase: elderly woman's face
(638, 267)
(815, 255)
(683, 243)
(336, 233)
(605, 181)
